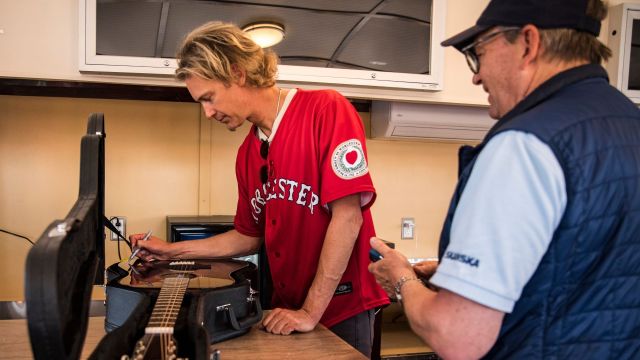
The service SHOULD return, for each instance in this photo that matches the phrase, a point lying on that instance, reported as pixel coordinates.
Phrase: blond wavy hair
(214, 50)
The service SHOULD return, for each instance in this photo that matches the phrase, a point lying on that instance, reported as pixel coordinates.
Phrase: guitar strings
(166, 338)
(173, 299)
(175, 296)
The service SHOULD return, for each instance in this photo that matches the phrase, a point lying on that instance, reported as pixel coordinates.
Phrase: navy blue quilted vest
(583, 301)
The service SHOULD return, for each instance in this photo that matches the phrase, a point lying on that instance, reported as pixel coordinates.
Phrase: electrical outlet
(120, 223)
(408, 227)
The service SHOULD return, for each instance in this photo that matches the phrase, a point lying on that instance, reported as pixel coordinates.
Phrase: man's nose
(208, 111)
(476, 80)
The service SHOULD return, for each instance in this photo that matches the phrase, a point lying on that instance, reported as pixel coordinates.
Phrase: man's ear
(531, 44)
(239, 75)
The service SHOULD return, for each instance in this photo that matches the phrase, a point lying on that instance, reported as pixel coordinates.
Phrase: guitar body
(218, 304)
(207, 275)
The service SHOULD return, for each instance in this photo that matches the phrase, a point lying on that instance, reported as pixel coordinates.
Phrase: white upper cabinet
(365, 43)
(624, 41)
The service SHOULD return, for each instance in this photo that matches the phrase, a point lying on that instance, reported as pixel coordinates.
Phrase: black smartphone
(374, 255)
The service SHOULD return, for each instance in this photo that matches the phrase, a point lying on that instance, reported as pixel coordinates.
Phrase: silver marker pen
(137, 249)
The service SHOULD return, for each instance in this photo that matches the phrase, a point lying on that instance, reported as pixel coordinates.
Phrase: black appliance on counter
(180, 228)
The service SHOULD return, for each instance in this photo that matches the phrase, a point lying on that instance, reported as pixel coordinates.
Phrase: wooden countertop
(257, 344)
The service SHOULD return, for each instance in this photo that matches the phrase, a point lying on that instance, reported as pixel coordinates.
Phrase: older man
(540, 249)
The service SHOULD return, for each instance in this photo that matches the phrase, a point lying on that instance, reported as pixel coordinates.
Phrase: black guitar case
(219, 312)
(68, 259)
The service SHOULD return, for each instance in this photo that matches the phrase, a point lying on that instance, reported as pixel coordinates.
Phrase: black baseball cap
(545, 14)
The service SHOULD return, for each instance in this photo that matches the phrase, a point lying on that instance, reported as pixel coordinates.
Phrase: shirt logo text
(471, 261)
(284, 189)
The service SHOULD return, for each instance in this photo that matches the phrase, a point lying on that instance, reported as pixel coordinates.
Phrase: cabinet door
(388, 44)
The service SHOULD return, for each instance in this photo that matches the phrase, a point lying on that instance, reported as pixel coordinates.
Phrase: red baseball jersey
(317, 155)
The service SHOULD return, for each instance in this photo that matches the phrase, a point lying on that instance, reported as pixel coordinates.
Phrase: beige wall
(157, 156)
(161, 159)
(152, 156)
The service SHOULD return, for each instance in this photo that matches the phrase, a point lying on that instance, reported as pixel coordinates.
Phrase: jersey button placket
(272, 170)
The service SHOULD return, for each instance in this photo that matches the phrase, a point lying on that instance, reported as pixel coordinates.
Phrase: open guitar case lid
(68, 259)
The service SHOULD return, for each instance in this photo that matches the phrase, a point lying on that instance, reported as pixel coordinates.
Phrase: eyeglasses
(469, 51)
(264, 170)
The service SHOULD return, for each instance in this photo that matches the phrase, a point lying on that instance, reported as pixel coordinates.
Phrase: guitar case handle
(248, 321)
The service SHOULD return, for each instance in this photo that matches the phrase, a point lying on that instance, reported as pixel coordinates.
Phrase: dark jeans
(357, 331)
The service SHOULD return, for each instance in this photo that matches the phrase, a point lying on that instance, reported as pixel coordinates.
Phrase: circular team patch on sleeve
(348, 160)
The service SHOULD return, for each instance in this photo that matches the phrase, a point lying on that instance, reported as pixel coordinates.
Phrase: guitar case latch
(231, 311)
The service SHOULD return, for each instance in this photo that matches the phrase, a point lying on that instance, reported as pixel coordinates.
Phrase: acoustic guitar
(213, 282)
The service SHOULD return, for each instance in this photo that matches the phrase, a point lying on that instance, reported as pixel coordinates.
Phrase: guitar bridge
(158, 330)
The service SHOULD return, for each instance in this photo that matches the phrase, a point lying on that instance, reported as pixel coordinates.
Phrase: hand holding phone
(374, 255)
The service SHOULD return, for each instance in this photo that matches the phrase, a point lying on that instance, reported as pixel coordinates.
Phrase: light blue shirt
(504, 222)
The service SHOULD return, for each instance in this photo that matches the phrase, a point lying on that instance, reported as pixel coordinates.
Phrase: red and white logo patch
(348, 160)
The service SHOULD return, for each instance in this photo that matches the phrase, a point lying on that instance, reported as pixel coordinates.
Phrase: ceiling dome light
(265, 34)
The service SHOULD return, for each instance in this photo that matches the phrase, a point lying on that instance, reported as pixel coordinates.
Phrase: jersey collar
(276, 123)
